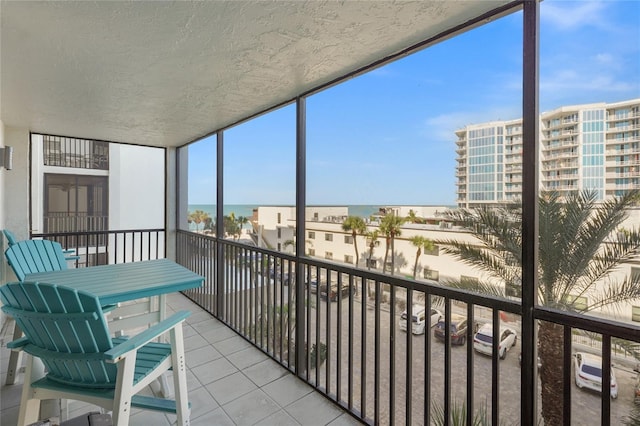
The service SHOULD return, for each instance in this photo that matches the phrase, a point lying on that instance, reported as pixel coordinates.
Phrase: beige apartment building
(326, 240)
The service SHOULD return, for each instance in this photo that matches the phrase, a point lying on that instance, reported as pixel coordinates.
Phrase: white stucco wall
(136, 187)
(15, 189)
(16, 183)
(3, 242)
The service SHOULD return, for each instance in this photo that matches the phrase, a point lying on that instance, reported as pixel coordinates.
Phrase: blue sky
(387, 137)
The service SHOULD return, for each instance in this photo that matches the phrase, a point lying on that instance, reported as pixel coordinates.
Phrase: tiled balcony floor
(230, 383)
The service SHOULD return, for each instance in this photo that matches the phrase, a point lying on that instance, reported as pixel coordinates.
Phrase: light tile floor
(230, 382)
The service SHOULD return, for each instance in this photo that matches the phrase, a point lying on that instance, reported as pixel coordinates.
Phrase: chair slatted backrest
(31, 256)
(65, 328)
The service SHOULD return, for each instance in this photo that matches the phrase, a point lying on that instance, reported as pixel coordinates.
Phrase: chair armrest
(70, 254)
(114, 354)
(18, 343)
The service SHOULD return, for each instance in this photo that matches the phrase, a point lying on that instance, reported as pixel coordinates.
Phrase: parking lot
(585, 404)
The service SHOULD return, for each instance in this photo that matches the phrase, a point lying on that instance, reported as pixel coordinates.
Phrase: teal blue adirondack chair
(26, 257)
(9, 236)
(31, 256)
(69, 254)
(66, 330)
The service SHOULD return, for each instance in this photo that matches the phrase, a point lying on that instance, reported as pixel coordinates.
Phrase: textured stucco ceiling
(165, 73)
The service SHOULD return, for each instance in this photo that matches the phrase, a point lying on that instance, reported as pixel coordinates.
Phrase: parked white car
(483, 340)
(418, 319)
(588, 373)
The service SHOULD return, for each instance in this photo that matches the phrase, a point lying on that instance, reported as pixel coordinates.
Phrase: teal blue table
(131, 286)
(125, 281)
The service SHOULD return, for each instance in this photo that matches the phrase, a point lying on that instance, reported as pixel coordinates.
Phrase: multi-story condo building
(88, 186)
(591, 146)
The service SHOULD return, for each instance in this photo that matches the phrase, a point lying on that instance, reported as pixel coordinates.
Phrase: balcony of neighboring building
(75, 153)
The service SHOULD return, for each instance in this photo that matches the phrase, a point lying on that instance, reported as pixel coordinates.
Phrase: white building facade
(590, 146)
(325, 239)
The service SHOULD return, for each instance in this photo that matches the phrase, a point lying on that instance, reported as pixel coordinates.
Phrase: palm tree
(412, 217)
(242, 220)
(390, 227)
(579, 248)
(288, 243)
(421, 243)
(372, 240)
(355, 225)
(209, 224)
(198, 217)
(230, 225)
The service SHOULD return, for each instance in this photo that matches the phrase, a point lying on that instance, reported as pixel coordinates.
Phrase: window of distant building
(348, 258)
(372, 263)
(579, 302)
(279, 245)
(328, 237)
(279, 232)
(311, 235)
(348, 239)
(430, 274)
(635, 313)
(328, 255)
(468, 280)
(435, 251)
(312, 252)
(279, 217)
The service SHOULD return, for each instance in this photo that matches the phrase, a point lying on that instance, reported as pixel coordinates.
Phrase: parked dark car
(313, 285)
(333, 291)
(458, 329)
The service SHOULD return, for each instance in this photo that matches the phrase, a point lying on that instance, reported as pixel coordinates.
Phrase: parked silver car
(483, 340)
(418, 319)
(588, 373)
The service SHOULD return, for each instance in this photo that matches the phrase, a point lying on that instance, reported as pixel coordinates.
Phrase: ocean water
(246, 210)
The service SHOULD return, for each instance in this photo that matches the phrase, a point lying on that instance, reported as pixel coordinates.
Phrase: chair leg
(29, 407)
(179, 375)
(124, 390)
(15, 358)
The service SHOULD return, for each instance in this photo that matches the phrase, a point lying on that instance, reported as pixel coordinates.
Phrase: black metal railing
(75, 222)
(346, 340)
(74, 152)
(91, 248)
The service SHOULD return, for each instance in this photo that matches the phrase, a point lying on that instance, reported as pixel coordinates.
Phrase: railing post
(220, 296)
(530, 124)
(301, 158)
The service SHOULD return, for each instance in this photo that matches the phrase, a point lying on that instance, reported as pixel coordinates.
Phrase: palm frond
(483, 259)
(479, 287)
(579, 247)
(615, 293)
